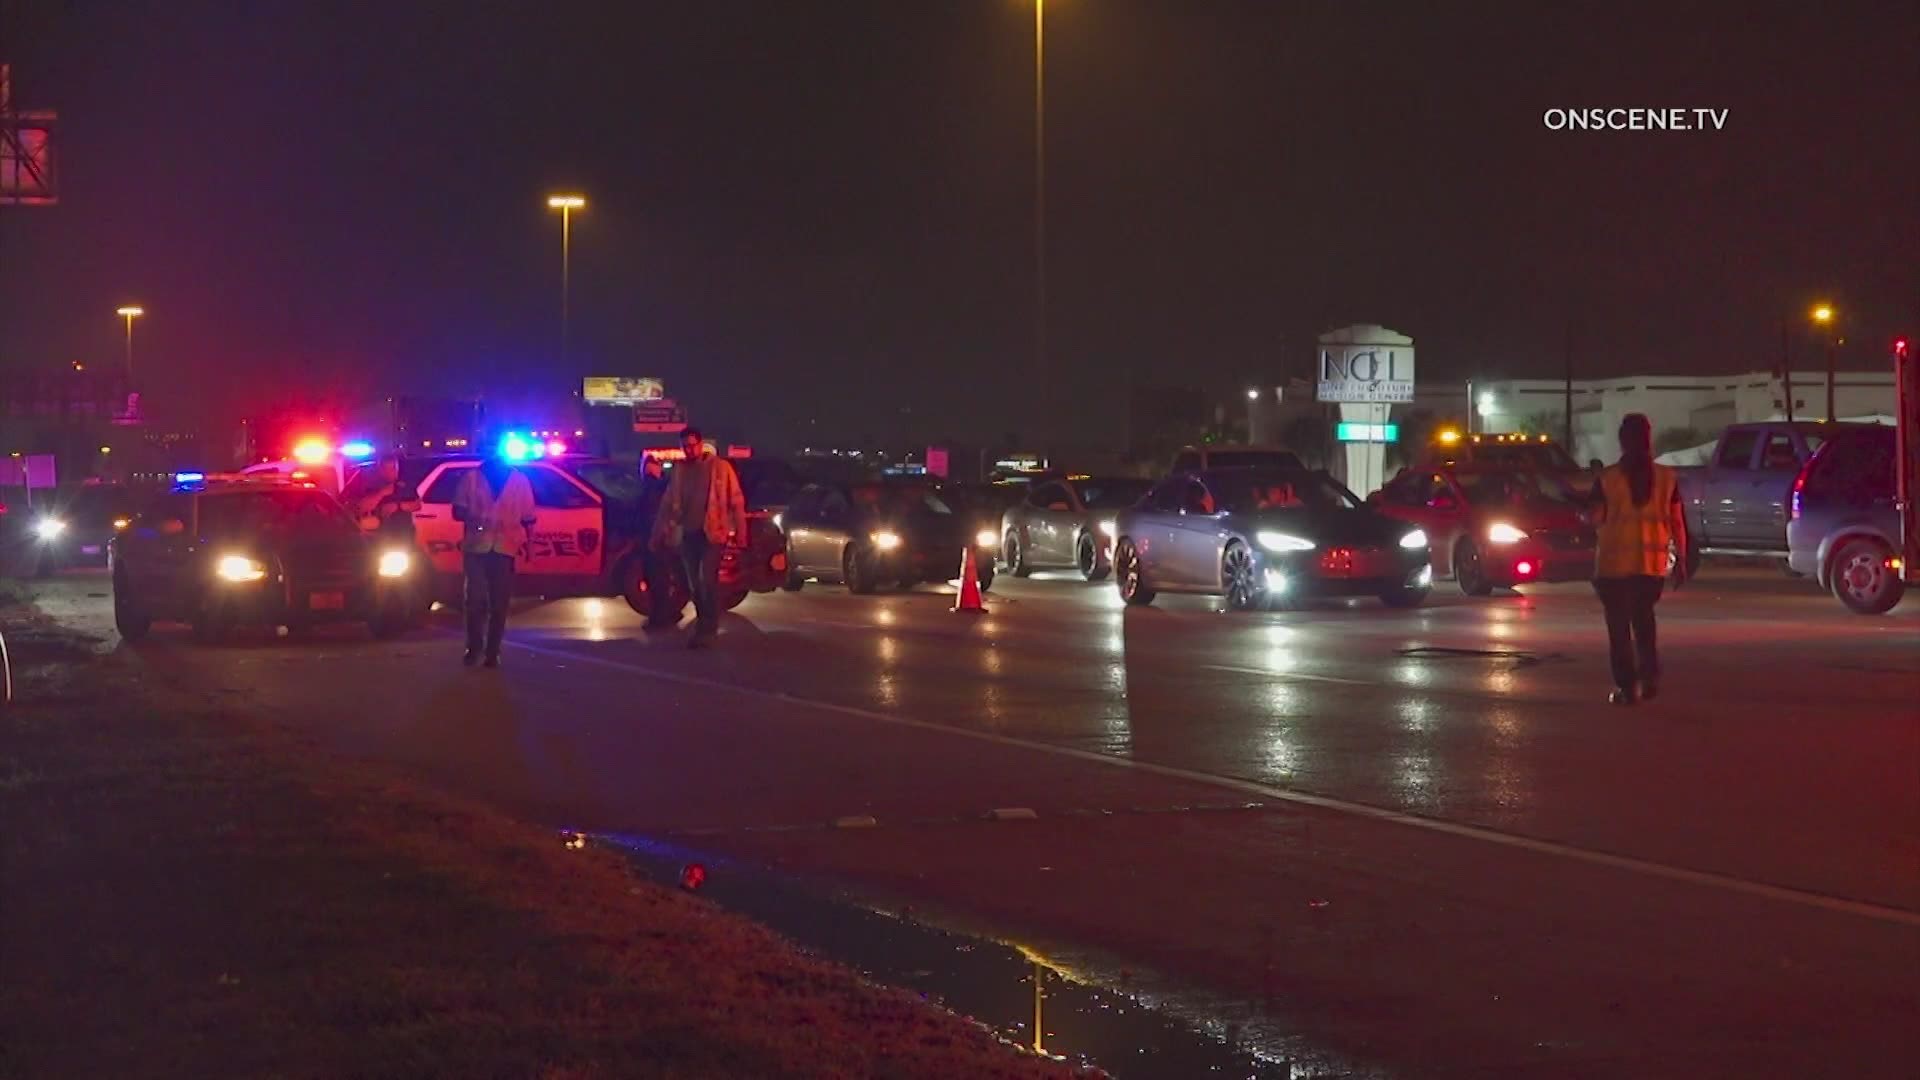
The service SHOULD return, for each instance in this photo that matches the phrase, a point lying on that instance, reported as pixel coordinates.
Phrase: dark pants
(1631, 641)
(658, 568)
(489, 591)
(701, 557)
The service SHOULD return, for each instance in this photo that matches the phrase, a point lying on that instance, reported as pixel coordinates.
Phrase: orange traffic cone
(969, 598)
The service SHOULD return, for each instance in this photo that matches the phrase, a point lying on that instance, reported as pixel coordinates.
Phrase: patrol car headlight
(985, 538)
(239, 569)
(1502, 533)
(1279, 541)
(1415, 539)
(886, 541)
(49, 528)
(1108, 529)
(395, 564)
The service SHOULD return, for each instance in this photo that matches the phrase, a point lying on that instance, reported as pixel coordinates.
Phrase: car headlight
(49, 528)
(120, 524)
(1108, 529)
(985, 538)
(395, 563)
(1415, 539)
(780, 521)
(886, 541)
(239, 568)
(1502, 533)
(1279, 541)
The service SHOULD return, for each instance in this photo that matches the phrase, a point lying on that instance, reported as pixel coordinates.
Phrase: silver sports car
(1066, 522)
(1260, 536)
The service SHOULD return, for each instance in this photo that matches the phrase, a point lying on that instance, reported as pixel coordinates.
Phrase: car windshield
(299, 510)
(900, 500)
(767, 482)
(619, 483)
(1112, 494)
(1252, 492)
(1512, 489)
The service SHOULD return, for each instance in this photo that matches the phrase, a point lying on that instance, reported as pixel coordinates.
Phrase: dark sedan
(1261, 536)
(881, 532)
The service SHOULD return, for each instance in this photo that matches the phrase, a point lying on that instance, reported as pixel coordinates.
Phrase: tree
(1551, 424)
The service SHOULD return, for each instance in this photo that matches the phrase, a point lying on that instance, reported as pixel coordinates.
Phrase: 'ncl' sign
(1365, 373)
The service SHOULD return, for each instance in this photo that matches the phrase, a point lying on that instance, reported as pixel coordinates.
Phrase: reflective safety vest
(1635, 540)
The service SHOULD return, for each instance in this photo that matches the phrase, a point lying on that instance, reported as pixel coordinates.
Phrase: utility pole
(1833, 350)
(1040, 358)
(1568, 439)
(1786, 366)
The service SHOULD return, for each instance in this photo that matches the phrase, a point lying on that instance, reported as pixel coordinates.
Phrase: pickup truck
(1738, 503)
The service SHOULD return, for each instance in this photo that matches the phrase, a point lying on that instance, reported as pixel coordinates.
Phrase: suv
(252, 553)
(1843, 528)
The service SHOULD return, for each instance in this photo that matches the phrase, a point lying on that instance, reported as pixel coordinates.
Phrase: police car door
(433, 524)
(569, 536)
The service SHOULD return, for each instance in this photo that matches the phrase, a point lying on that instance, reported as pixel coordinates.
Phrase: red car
(1494, 526)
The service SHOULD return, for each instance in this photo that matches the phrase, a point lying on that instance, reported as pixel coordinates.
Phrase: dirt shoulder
(186, 892)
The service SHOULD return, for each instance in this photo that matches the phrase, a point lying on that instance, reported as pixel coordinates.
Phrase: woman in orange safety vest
(1641, 527)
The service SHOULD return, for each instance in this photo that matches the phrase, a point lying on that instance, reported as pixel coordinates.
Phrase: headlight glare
(395, 564)
(49, 528)
(239, 568)
(985, 538)
(1415, 539)
(1109, 529)
(1279, 541)
(1502, 533)
(886, 541)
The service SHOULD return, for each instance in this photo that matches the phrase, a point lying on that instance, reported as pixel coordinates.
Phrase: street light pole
(130, 313)
(566, 204)
(1786, 367)
(1041, 365)
(1823, 317)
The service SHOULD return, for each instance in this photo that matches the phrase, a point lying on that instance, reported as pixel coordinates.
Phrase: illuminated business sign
(620, 390)
(1368, 433)
(1360, 374)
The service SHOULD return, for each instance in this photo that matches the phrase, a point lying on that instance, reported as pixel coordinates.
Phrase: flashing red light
(312, 451)
(555, 447)
(693, 876)
(1900, 347)
(1523, 569)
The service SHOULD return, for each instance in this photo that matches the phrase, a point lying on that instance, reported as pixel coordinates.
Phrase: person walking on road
(1642, 535)
(704, 510)
(495, 502)
(656, 566)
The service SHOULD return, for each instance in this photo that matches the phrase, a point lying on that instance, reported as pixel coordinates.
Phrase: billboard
(1358, 374)
(660, 416)
(621, 390)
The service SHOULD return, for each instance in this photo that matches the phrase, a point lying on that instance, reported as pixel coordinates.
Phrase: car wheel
(1240, 578)
(1467, 570)
(1088, 556)
(795, 580)
(1132, 577)
(127, 617)
(983, 573)
(1863, 581)
(1410, 596)
(1015, 555)
(734, 599)
(857, 568)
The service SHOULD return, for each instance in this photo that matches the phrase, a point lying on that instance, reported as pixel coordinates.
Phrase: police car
(587, 538)
(225, 551)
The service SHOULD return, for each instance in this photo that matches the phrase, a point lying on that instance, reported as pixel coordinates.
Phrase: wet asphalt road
(1463, 863)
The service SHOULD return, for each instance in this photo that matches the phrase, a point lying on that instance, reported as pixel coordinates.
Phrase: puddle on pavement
(1136, 1034)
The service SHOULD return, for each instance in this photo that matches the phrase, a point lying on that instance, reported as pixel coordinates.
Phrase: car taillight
(1799, 487)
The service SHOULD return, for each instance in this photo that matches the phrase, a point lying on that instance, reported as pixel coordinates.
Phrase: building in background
(1686, 410)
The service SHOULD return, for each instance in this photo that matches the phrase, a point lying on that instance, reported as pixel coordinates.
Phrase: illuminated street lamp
(1040, 357)
(1823, 316)
(130, 313)
(566, 204)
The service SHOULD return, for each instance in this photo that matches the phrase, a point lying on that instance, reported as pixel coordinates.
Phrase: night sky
(814, 217)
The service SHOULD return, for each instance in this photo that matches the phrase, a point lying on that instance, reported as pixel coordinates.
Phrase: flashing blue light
(359, 448)
(189, 477)
(517, 447)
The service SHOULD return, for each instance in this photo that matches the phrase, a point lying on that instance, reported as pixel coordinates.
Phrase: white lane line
(1704, 878)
